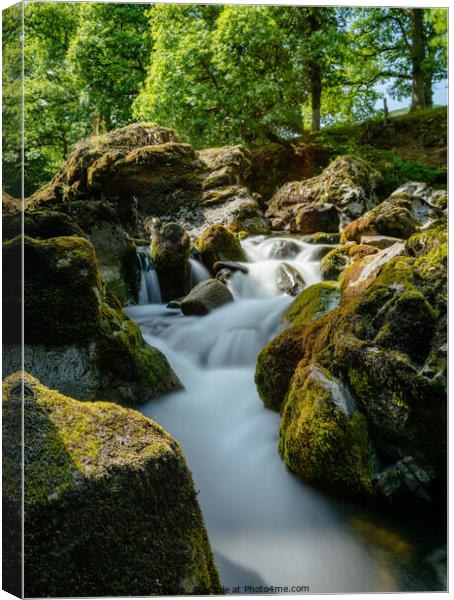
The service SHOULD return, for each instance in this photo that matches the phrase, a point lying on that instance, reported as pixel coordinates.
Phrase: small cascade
(150, 292)
(198, 272)
(266, 526)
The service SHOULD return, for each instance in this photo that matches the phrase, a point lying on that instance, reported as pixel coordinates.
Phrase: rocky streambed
(268, 528)
(303, 370)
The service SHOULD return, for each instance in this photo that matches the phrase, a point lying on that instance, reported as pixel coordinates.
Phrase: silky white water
(266, 527)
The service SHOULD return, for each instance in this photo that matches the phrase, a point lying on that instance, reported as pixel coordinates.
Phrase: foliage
(217, 74)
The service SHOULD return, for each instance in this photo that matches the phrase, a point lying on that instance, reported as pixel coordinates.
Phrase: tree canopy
(217, 74)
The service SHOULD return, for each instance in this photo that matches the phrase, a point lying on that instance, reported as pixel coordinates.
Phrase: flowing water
(266, 526)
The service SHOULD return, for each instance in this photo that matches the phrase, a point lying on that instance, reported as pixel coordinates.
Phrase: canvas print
(225, 290)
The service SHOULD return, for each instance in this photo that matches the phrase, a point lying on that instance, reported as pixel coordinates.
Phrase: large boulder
(219, 244)
(145, 172)
(409, 208)
(170, 248)
(205, 297)
(385, 342)
(348, 185)
(323, 436)
(110, 507)
(274, 164)
(40, 224)
(77, 338)
(115, 250)
(229, 165)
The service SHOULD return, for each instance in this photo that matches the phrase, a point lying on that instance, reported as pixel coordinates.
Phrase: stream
(266, 526)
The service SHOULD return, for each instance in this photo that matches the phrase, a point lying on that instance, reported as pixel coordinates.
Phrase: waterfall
(198, 272)
(266, 526)
(150, 292)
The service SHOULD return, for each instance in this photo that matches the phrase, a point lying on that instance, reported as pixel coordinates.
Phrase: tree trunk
(417, 59)
(315, 80)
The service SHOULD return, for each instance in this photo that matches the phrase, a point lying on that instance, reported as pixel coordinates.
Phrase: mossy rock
(276, 364)
(229, 165)
(170, 249)
(77, 338)
(219, 244)
(40, 224)
(337, 260)
(386, 342)
(109, 504)
(405, 211)
(9, 203)
(323, 437)
(205, 297)
(314, 302)
(348, 183)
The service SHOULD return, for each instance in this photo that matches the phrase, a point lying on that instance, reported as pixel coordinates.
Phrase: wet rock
(322, 238)
(312, 218)
(289, 280)
(313, 303)
(379, 241)
(224, 276)
(348, 184)
(205, 297)
(334, 262)
(231, 266)
(117, 471)
(323, 436)
(404, 483)
(284, 249)
(384, 342)
(229, 165)
(219, 244)
(77, 339)
(115, 250)
(170, 248)
(400, 215)
(236, 209)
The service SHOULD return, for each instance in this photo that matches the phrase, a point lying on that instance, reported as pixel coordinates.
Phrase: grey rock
(289, 280)
(205, 297)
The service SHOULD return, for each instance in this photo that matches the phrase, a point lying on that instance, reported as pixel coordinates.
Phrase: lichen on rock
(109, 504)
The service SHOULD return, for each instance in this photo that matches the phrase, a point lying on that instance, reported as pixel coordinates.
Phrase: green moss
(320, 440)
(41, 224)
(62, 290)
(275, 366)
(314, 302)
(218, 243)
(97, 472)
(126, 358)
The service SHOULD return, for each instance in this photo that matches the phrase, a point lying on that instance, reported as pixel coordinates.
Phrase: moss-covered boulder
(337, 260)
(170, 248)
(229, 165)
(109, 504)
(312, 218)
(323, 437)
(234, 207)
(219, 244)
(386, 343)
(205, 297)
(314, 302)
(41, 224)
(77, 339)
(402, 214)
(348, 184)
(274, 164)
(115, 249)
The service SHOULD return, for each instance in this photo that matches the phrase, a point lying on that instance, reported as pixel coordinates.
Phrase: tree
(221, 74)
(403, 46)
(108, 57)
